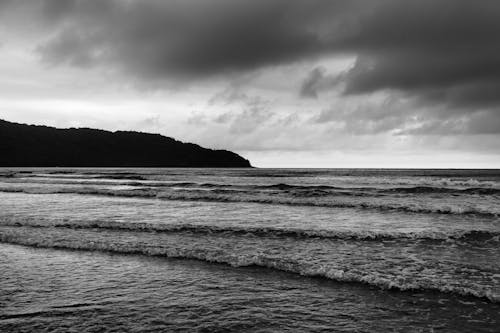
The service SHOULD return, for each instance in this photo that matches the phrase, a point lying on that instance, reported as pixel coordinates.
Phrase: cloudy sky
(290, 83)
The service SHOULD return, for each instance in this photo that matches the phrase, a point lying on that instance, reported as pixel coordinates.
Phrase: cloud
(235, 95)
(317, 80)
(422, 47)
(440, 51)
(246, 114)
(184, 39)
(477, 123)
(181, 39)
(442, 56)
(370, 116)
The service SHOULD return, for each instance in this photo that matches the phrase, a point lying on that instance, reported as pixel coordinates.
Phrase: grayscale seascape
(261, 250)
(250, 166)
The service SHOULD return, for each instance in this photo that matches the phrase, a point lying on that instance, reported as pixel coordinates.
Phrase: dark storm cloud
(450, 40)
(183, 38)
(442, 52)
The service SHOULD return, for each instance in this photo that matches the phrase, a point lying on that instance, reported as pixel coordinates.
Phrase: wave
(371, 191)
(423, 207)
(472, 236)
(220, 195)
(115, 176)
(351, 177)
(7, 174)
(68, 175)
(94, 182)
(309, 190)
(296, 266)
(428, 189)
(432, 181)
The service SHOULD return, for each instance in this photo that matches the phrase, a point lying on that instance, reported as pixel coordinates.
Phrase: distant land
(24, 145)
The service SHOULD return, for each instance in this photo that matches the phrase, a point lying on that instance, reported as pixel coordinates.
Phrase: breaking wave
(448, 187)
(296, 266)
(229, 195)
(473, 236)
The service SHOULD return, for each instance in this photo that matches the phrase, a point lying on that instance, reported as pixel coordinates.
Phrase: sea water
(261, 250)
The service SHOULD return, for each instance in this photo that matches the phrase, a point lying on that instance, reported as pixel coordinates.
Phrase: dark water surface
(274, 250)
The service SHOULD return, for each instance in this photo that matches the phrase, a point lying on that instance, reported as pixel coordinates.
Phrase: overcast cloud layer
(344, 76)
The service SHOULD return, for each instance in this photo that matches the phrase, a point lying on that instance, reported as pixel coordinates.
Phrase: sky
(284, 83)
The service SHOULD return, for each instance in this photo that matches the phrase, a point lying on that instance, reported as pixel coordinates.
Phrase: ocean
(249, 250)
